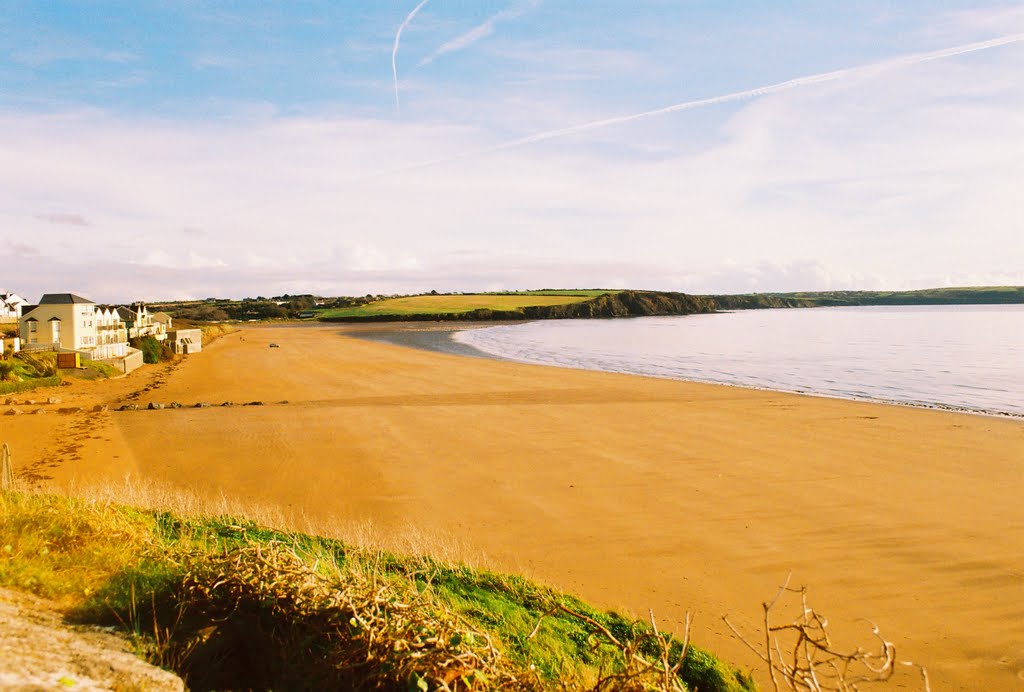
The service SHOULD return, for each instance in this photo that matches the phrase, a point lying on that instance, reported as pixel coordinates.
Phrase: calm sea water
(969, 357)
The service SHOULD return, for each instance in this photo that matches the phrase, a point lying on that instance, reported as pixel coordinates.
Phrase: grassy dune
(454, 304)
(27, 371)
(226, 602)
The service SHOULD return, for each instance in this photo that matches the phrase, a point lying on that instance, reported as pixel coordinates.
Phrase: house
(185, 341)
(164, 319)
(69, 322)
(141, 322)
(10, 307)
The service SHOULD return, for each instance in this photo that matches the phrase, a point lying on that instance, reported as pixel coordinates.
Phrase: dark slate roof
(62, 299)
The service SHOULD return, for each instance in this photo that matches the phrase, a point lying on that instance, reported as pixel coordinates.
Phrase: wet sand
(631, 492)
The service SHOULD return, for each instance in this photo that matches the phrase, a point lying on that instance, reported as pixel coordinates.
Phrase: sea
(964, 357)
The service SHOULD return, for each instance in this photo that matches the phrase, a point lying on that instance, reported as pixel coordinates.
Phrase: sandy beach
(634, 493)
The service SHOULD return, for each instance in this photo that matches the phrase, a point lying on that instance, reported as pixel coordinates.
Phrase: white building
(69, 322)
(141, 322)
(10, 307)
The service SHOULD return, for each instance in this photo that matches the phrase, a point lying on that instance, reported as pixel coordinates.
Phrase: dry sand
(631, 492)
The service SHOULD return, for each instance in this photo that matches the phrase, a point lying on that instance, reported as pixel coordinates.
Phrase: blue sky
(186, 149)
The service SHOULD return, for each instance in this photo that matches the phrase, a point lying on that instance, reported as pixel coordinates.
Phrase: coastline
(436, 337)
(439, 337)
(631, 492)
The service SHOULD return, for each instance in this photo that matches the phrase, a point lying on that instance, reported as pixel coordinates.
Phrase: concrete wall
(132, 361)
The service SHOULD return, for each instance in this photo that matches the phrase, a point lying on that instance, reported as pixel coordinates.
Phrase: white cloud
(906, 179)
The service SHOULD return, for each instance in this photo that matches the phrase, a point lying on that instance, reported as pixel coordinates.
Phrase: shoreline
(439, 337)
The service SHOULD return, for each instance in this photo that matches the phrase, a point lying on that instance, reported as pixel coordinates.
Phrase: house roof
(162, 317)
(125, 314)
(62, 299)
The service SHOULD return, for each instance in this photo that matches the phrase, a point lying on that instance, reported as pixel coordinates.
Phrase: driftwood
(801, 656)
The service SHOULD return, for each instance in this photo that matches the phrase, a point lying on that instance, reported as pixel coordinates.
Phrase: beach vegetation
(153, 350)
(30, 370)
(227, 602)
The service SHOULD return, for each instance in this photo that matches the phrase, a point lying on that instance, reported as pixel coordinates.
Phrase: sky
(163, 149)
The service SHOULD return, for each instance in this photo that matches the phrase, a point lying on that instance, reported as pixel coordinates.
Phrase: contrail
(894, 63)
(394, 51)
(903, 61)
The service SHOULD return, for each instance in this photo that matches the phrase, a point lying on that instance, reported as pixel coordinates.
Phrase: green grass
(456, 304)
(28, 385)
(32, 370)
(208, 595)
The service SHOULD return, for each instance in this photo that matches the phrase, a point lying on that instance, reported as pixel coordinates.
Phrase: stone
(13, 412)
(40, 651)
(53, 400)
(154, 406)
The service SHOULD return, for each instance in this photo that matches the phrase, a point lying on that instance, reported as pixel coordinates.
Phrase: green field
(455, 304)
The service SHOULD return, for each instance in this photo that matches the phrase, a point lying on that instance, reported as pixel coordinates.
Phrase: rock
(283, 401)
(13, 412)
(29, 402)
(174, 404)
(228, 403)
(39, 651)
(154, 406)
(70, 409)
(129, 407)
(8, 401)
(39, 412)
(255, 403)
(53, 400)
(100, 408)
(202, 404)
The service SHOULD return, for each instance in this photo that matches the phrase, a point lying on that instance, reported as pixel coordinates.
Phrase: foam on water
(961, 357)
